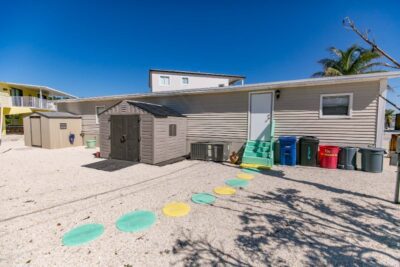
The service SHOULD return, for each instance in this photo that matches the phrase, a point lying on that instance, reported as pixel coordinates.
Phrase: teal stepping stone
(136, 221)
(82, 234)
(251, 170)
(237, 182)
(203, 198)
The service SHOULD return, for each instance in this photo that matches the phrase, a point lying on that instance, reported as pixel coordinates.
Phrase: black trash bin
(309, 150)
(372, 159)
(348, 158)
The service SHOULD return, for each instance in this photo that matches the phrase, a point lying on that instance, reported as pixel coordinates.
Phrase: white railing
(31, 102)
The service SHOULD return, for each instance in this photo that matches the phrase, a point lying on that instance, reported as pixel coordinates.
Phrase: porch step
(258, 161)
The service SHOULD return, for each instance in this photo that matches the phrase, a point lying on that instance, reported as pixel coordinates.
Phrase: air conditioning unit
(211, 151)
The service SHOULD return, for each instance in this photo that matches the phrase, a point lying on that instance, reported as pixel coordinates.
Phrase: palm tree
(388, 117)
(354, 60)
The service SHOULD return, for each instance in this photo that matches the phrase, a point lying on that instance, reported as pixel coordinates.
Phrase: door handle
(123, 138)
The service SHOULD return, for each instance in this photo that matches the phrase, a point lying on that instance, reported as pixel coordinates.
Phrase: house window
(164, 80)
(336, 106)
(172, 130)
(63, 126)
(99, 109)
(185, 80)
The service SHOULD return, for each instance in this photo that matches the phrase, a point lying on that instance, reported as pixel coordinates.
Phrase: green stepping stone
(203, 198)
(237, 182)
(251, 170)
(82, 234)
(136, 221)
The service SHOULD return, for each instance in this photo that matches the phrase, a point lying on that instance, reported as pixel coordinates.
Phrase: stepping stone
(237, 182)
(176, 209)
(82, 234)
(251, 171)
(245, 176)
(203, 198)
(224, 190)
(136, 221)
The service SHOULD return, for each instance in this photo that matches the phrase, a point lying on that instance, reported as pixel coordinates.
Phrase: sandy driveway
(288, 216)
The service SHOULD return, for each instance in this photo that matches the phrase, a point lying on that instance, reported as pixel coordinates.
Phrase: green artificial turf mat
(136, 221)
(203, 198)
(237, 182)
(82, 234)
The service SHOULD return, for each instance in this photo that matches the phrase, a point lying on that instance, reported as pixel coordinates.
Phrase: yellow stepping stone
(245, 176)
(176, 209)
(224, 190)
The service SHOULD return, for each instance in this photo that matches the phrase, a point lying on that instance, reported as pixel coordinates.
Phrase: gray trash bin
(348, 158)
(372, 159)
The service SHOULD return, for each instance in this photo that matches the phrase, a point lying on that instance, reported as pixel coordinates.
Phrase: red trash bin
(328, 156)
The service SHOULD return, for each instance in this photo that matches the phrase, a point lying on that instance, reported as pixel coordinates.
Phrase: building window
(172, 130)
(164, 80)
(185, 80)
(63, 126)
(336, 105)
(99, 109)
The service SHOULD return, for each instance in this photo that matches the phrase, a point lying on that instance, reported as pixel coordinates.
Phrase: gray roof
(156, 110)
(58, 115)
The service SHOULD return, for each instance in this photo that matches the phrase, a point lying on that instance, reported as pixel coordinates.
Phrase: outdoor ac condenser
(212, 151)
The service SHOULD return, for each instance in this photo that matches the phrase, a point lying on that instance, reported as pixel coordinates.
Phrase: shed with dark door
(52, 130)
(142, 132)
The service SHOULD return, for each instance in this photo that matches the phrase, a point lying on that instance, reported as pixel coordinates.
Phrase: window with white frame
(336, 105)
(98, 110)
(185, 80)
(164, 80)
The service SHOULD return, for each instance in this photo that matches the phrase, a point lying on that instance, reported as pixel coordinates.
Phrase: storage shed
(52, 130)
(142, 132)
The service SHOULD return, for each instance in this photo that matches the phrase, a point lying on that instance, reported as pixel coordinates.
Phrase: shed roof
(156, 110)
(58, 115)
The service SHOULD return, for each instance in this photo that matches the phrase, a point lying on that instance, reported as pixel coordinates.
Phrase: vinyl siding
(169, 147)
(224, 116)
(296, 112)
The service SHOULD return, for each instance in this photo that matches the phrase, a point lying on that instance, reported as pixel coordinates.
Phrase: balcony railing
(27, 101)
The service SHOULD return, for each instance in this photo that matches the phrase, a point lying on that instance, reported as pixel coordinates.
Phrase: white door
(260, 116)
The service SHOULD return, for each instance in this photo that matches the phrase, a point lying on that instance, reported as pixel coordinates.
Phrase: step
(257, 160)
(256, 154)
(257, 149)
(258, 143)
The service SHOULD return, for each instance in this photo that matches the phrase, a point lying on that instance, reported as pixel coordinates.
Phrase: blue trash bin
(287, 150)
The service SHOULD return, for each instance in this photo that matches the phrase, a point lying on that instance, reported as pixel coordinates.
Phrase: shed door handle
(123, 138)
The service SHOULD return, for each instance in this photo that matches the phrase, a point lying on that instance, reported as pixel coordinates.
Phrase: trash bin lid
(372, 149)
(312, 139)
(287, 138)
(349, 148)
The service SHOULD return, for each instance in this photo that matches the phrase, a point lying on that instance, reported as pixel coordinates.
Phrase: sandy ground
(290, 216)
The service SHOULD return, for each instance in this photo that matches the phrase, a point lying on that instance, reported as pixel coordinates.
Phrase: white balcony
(26, 101)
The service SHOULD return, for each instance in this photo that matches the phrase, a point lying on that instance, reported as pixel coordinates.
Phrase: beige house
(345, 110)
(167, 80)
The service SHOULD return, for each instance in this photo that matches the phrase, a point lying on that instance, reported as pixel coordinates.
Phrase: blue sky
(91, 48)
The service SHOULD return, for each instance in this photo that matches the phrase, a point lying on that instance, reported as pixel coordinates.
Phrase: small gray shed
(142, 132)
(52, 130)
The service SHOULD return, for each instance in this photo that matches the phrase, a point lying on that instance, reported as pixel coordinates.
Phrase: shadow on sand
(349, 229)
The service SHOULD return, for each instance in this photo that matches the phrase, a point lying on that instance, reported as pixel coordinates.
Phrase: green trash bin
(91, 143)
(309, 150)
(372, 159)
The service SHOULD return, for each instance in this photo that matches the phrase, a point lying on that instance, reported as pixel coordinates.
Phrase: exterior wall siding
(297, 110)
(224, 116)
(169, 147)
